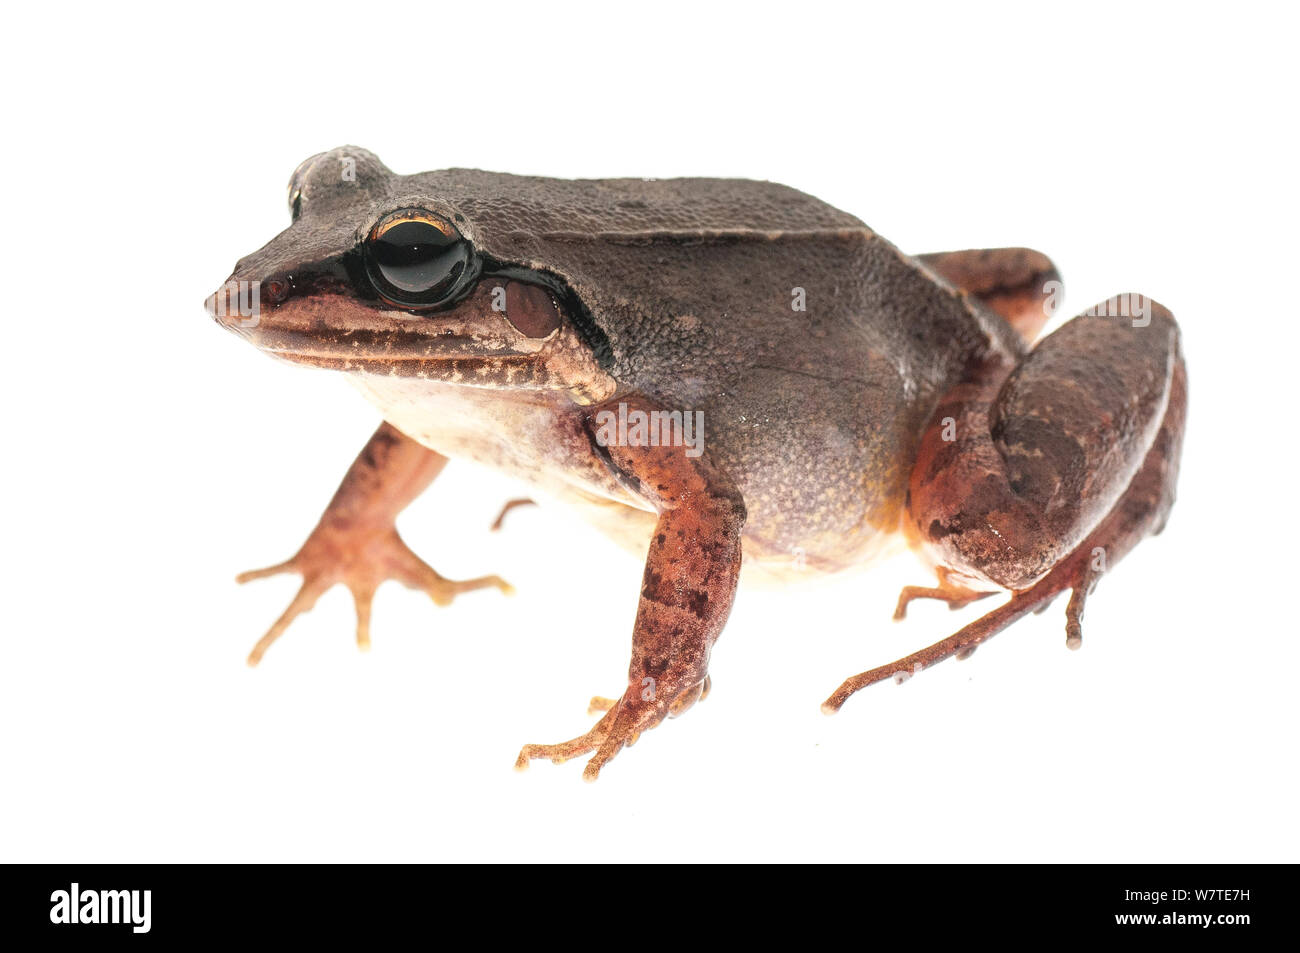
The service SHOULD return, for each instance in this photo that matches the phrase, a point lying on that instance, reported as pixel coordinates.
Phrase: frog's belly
(536, 438)
(823, 462)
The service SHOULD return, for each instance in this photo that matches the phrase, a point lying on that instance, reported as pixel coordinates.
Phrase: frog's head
(382, 274)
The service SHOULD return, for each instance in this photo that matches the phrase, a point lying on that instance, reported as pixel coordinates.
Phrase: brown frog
(705, 367)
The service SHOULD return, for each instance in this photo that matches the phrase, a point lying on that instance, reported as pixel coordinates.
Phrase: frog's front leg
(1040, 478)
(686, 591)
(356, 541)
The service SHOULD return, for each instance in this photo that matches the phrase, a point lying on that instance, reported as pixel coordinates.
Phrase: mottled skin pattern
(1141, 511)
(1042, 449)
(830, 370)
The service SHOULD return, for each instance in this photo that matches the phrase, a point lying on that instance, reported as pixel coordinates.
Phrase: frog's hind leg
(1053, 472)
(1019, 284)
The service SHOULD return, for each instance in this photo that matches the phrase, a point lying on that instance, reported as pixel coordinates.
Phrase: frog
(717, 374)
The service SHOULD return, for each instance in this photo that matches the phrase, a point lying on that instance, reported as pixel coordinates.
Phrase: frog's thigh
(1014, 473)
(1019, 284)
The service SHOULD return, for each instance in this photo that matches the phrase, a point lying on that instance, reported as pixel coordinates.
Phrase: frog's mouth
(337, 331)
(393, 351)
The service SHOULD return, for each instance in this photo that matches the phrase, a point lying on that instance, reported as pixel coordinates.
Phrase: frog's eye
(417, 259)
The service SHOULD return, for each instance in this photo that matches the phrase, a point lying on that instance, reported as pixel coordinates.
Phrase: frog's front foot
(360, 558)
(641, 708)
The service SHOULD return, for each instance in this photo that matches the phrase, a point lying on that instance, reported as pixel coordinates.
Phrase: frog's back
(500, 206)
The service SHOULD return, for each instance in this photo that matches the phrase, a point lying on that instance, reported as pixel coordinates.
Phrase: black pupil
(417, 258)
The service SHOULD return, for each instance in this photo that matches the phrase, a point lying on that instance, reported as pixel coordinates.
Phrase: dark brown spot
(938, 531)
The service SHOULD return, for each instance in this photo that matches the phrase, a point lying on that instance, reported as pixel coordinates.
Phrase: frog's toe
(289, 565)
(957, 596)
(619, 728)
(363, 598)
(310, 591)
(562, 752)
(443, 591)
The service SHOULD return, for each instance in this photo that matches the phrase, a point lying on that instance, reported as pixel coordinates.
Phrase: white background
(149, 456)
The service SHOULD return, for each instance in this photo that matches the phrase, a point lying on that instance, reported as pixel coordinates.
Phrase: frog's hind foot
(957, 596)
(962, 645)
(361, 560)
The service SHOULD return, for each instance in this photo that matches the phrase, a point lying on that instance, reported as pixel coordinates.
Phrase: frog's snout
(238, 304)
(234, 304)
